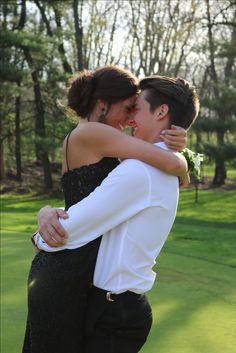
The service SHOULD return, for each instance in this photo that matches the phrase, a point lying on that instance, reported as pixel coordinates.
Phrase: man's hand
(50, 228)
(175, 138)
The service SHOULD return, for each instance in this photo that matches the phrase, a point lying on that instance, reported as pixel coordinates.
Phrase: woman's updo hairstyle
(109, 83)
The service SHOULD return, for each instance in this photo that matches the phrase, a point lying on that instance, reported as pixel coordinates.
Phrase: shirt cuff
(34, 239)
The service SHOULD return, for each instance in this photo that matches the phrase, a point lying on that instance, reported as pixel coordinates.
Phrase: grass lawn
(193, 299)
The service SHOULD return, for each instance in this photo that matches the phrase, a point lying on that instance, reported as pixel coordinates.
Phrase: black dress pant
(118, 326)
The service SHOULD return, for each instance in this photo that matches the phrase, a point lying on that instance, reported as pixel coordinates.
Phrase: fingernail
(163, 132)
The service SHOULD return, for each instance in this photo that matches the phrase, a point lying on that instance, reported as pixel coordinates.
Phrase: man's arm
(124, 193)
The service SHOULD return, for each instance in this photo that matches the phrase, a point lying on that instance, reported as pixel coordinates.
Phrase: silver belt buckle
(109, 298)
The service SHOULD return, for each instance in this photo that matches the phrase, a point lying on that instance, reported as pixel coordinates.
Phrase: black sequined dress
(59, 282)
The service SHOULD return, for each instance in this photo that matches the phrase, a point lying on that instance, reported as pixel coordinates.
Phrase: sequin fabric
(59, 283)
(80, 182)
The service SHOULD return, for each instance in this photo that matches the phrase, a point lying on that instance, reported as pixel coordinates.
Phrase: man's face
(120, 112)
(143, 119)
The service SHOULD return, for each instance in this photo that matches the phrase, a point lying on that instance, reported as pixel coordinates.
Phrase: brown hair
(109, 83)
(177, 93)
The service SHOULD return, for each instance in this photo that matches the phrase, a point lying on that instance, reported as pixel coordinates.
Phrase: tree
(12, 75)
(50, 32)
(78, 13)
(222, 98)
(161, 36)
(43, 42)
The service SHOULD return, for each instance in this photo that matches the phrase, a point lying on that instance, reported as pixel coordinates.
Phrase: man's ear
(162, 111)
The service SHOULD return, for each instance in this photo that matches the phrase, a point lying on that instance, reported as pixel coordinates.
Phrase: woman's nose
(131, 122)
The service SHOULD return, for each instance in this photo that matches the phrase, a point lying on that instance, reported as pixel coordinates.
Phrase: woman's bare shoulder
(94, 126)
(90, 135)
(94, 131)
(81, 131)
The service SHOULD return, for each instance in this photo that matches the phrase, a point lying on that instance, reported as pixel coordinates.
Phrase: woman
(59, 282)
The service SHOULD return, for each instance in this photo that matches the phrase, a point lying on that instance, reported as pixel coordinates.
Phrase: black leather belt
(111, 297)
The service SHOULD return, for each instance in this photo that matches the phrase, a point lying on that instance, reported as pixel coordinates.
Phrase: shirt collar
(161, 145)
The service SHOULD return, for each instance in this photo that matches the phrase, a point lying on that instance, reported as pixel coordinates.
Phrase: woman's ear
(102, 104)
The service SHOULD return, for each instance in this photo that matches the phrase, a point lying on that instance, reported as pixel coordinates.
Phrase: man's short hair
(177, 93)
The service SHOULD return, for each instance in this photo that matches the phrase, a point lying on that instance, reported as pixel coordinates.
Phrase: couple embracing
(87, 283)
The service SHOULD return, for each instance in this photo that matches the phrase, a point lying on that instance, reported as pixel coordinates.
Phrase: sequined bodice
(80, 182)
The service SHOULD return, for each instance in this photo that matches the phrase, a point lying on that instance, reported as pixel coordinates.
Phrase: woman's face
(119, 113)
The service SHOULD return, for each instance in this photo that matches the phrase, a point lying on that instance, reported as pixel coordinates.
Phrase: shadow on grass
(203, 223)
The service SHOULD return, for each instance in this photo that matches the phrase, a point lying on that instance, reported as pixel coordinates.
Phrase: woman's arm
(106, 141)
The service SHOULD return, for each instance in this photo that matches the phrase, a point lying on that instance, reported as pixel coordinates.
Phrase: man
(134, 209)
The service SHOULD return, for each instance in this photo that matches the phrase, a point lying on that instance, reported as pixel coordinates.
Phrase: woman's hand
(175, 138)
(49, 226)
(184, 180)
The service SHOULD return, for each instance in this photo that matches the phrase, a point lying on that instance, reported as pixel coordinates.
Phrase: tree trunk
(18, 140)
(198, 140)
(2, 165)
(220, 173)
(66, 66)
(40, 131)
(78, 33)
(220, 170)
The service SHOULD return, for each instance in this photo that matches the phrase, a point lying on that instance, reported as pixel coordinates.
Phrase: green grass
(18, 222)
(193, 299)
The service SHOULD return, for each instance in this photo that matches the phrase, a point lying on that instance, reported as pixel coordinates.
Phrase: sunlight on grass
(212, 206)
(193, 298)
(12, 297)
(193, 309)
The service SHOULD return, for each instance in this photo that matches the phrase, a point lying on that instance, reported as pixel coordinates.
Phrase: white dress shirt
(134, 208)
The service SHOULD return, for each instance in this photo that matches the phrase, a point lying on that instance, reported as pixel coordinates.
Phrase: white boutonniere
(194, 162)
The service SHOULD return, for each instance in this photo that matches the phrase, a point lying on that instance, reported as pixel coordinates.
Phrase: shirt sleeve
(124, 193)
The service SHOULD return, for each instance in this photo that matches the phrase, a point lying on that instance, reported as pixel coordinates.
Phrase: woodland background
(44, 42)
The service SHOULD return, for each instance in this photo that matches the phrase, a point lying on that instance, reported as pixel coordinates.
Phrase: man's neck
(158, 139)
(155, 138)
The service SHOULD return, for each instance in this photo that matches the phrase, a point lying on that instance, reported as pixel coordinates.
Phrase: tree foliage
(44, 42)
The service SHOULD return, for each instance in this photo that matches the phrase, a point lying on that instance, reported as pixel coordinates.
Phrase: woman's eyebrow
(129, 107)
